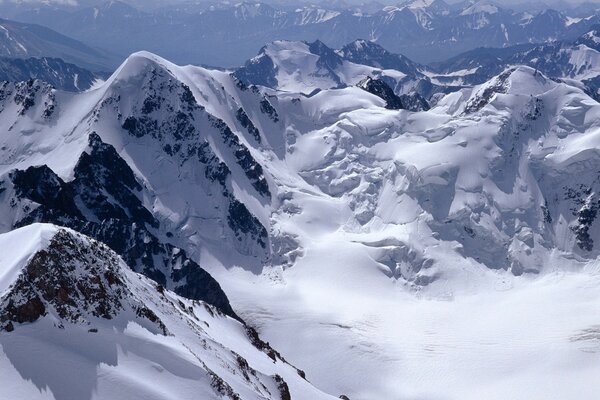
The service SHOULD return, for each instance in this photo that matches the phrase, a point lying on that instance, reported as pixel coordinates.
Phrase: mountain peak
(67, 276)
(591, 38)
(370, 53)
(517, 81)
(481, 7)
(437, 6)
(249, 10)
(138, 63)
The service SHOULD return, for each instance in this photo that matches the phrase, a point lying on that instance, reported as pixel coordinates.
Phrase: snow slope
(146, 343)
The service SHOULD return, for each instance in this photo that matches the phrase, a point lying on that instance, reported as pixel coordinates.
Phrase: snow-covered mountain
(423, 30)
(54, 71)
(70, 307)
(387, 253)
(309, 67)
(577, 61)
(20, 40)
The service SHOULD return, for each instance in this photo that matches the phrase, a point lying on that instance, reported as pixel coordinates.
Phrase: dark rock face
(284, 390)
(591, 38)
(414, 102)
(247, 123)
(243, 157)
(75, 279)
(42, 186)
(166, 113)
(243, 223)
(267, 108)
(328, 58)
(483, 98)
(593, 87)
(102, 202)
(585, 208)
(369, 53)
(380, 89)
(259, 70)
(28, 94)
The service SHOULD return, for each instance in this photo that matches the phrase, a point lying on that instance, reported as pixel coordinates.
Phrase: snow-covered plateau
(383, 253)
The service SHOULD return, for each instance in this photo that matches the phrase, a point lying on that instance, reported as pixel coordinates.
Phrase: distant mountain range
(309, 67)
(54, 71)
(22, 40)
(423, 30)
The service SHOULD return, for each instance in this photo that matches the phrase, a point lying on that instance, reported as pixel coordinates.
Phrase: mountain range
(168, 222)
(423, 30)
(328, 219)
(20, 40)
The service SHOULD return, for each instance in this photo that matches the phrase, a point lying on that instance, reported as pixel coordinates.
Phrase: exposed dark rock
(243, 223)
(247, 123)
(102, 201)
(222, 387)
(328, 58)
(586, 216)
(267, 108)
(483, 98)
(27, 94)
(284, 390)
(414, 102)
(263, 346)
(259, 70)
(380, 89)
(366, 52)
(74, 278)
(243, 157)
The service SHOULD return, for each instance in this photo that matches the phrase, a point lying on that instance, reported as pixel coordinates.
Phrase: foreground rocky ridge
(67, 285)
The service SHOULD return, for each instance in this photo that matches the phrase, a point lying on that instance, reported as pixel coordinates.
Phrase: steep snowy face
(493, 188)
(68, 301)
(213, 164)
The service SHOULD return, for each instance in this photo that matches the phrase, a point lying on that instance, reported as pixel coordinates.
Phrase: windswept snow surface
(355, 332)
